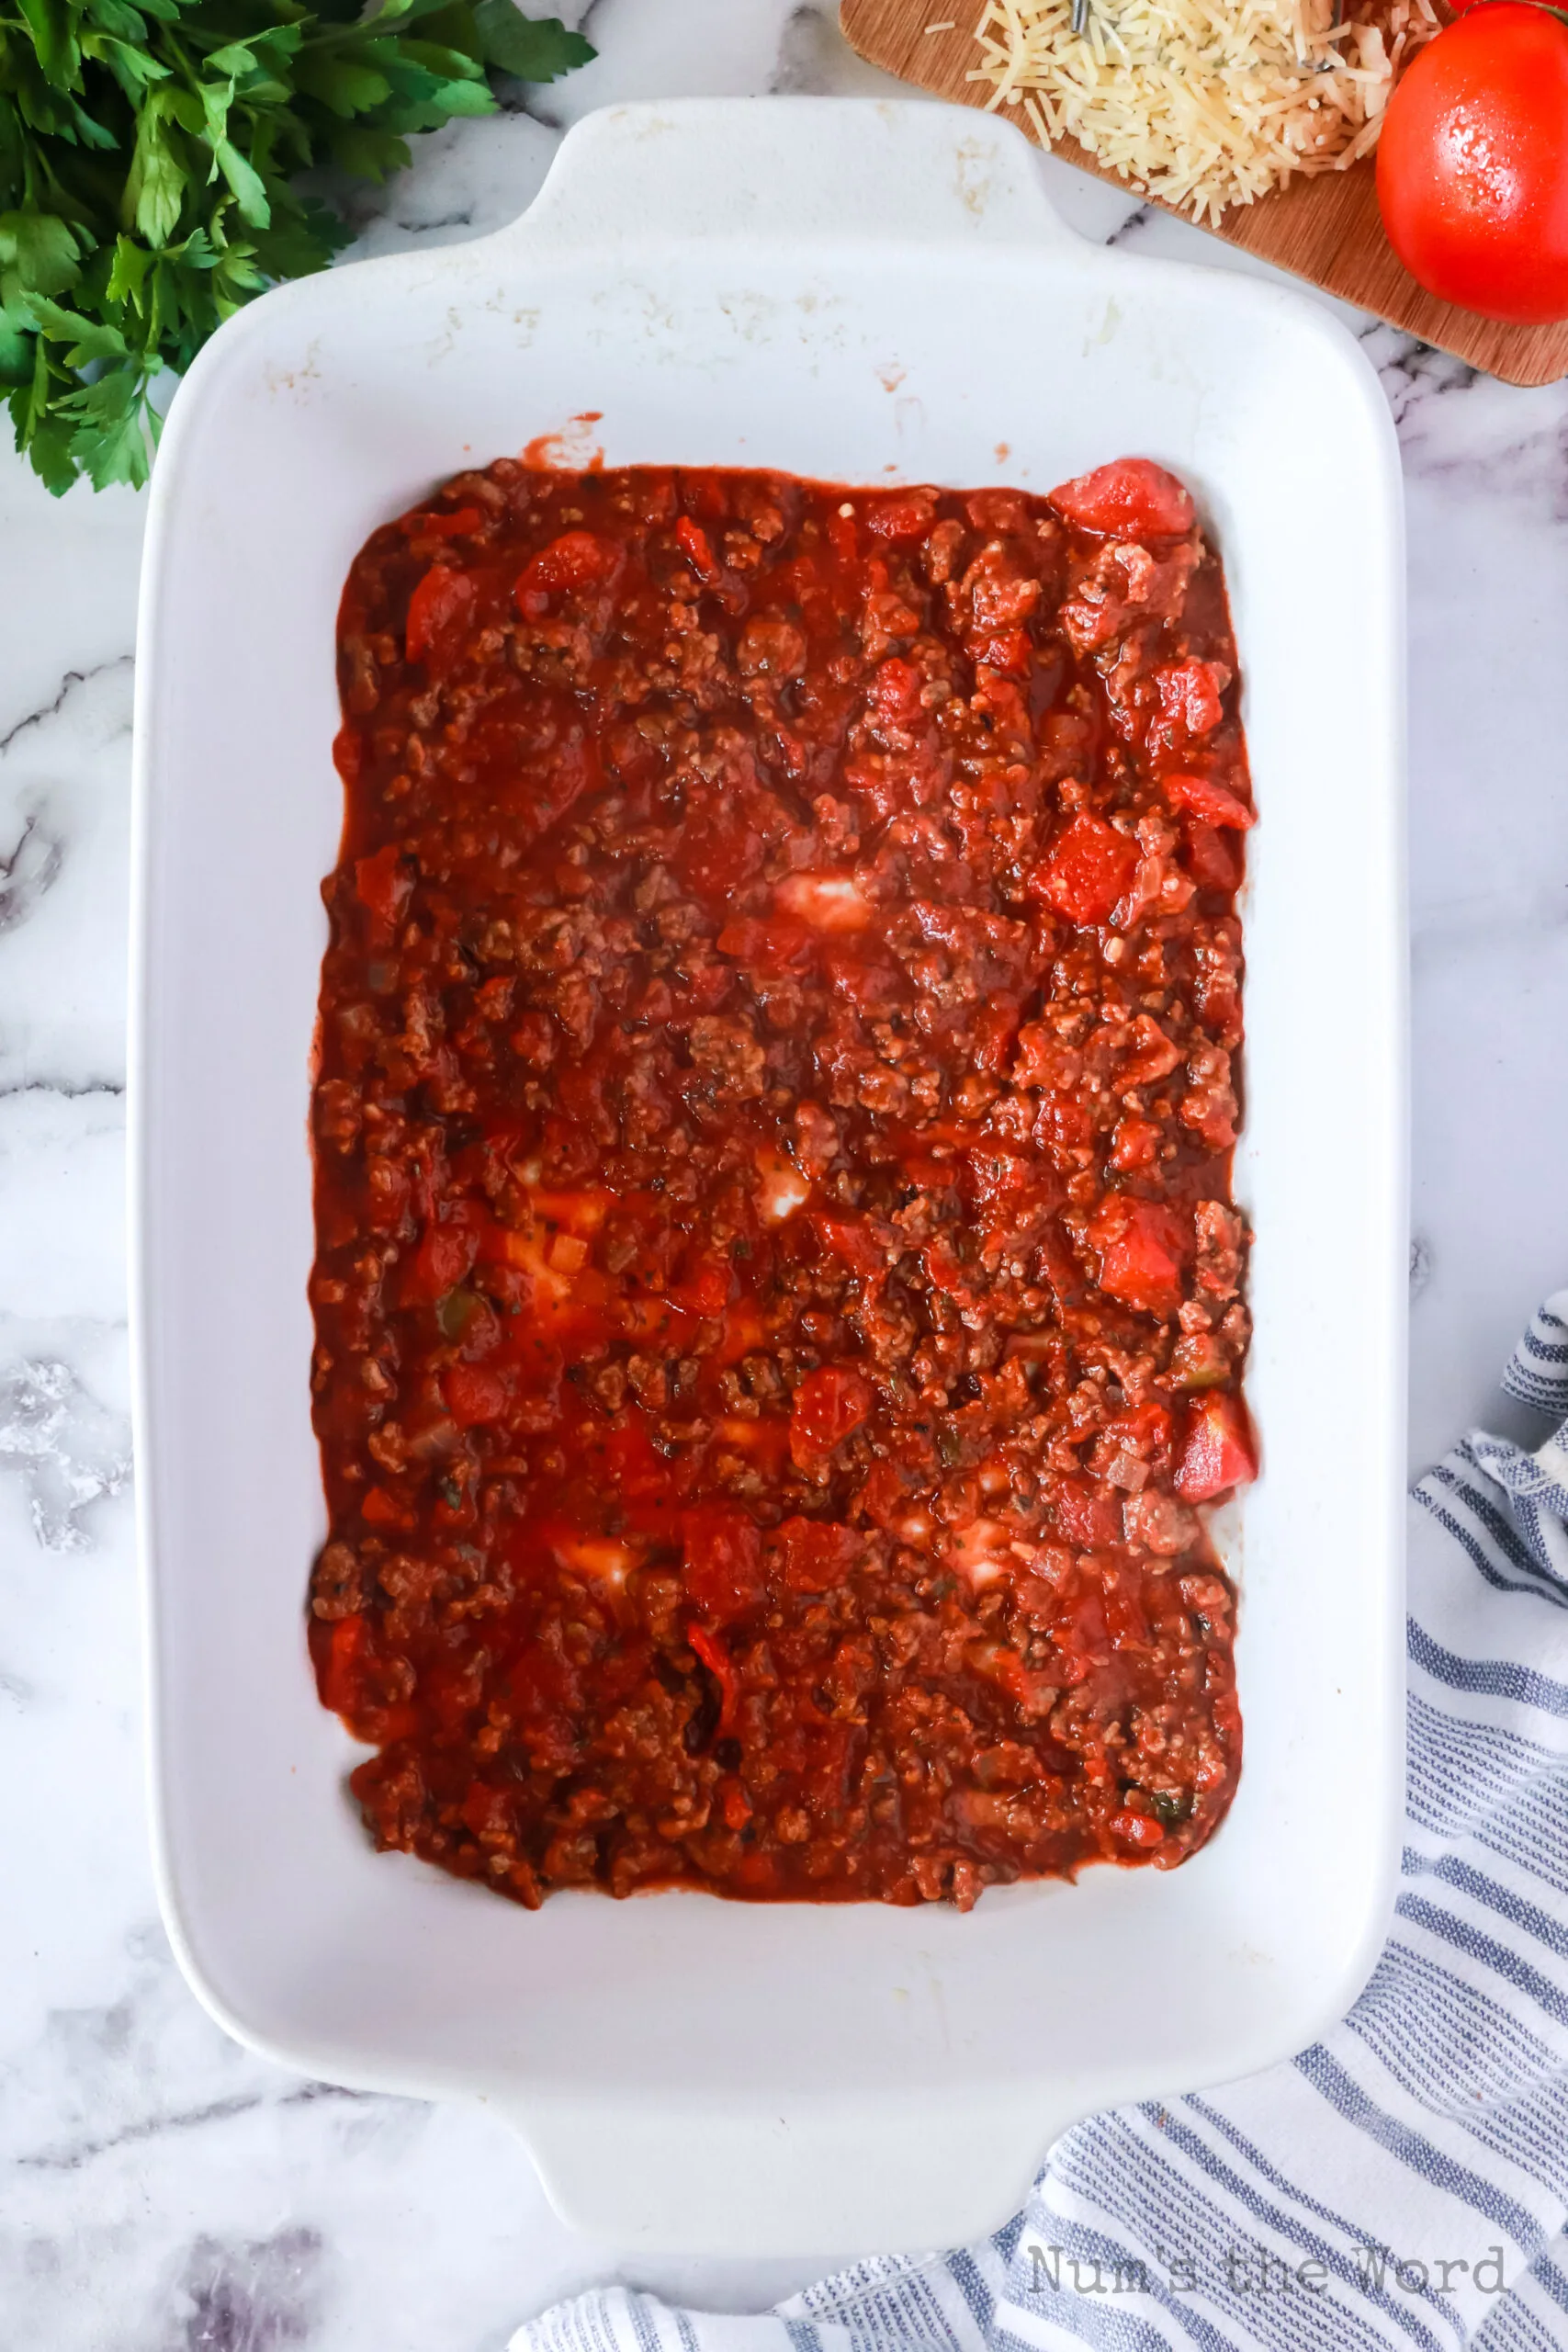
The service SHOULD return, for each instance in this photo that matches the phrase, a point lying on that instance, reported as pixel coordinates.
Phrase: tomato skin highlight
(1472, 164)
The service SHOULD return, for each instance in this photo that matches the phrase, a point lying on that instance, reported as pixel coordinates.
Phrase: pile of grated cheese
(1201, 103)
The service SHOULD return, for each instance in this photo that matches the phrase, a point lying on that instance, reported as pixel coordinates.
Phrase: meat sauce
(778, 1300)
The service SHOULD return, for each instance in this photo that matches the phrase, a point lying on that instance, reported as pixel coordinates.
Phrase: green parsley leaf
(250, 189)
(369, 154)
(16, 355)
(47, 444)
(155, 185)
(133, 68)
(117, 16)
(110, 430)
(128, 274)
(342, 83)
(89, 339)
(39, 254)
(537, 49)
(55, 40)
(150, 151)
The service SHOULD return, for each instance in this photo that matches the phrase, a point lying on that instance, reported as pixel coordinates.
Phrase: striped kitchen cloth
(1403, 2186)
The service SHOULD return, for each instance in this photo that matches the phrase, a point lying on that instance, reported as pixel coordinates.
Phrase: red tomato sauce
(778, 1299)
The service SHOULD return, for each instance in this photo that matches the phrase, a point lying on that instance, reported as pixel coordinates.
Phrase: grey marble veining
(163, 2190)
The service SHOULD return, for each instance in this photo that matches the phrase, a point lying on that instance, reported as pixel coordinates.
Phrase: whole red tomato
(1472, 164)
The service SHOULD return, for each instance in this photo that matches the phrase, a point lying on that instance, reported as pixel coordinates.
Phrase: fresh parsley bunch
(148, 151)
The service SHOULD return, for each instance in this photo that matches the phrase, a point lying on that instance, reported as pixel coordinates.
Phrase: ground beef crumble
(778, 1300)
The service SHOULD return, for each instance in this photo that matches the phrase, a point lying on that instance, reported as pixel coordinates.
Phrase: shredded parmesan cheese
(1201, 103)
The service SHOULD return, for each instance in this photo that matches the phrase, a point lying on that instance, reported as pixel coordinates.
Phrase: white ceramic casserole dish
(865, 293)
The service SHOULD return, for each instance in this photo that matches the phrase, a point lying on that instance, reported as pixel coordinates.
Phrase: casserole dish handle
(829, 2178)
(796, 168)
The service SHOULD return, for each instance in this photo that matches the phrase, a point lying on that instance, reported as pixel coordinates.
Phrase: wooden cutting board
(1326, 229)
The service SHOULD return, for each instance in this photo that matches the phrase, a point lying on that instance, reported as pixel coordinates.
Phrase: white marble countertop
(165, 2191)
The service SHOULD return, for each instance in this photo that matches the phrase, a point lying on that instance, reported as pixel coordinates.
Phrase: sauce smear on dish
(777, 1295)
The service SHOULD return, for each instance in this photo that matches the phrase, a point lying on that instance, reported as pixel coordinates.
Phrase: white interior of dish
(889, 298)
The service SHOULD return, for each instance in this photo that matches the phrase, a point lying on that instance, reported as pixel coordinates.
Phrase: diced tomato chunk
(1210, 801)
(901, 521)
(1136, 1829)
(1087, 1515)
(1131, 497)
(382, 883)
(1086, 869)
(1141, 1246)
(829, 1405)
(339, 1678)
(380, 1508)
(703, 1288)
(445, 1254)
(697, 548)
(895, 692)
(1145, 1429)
(489, 1812)
(885, 1497)
(576, 560)
(724, 1560)
(734, 1804)
(1126, 1620)
(1189, 705)
(580, 559)
(474, 1394)
(1218, 1452)
(1063, 1129)
(813, 1554)
(1134, 1144)
(456, 525)
(1212, 857)
(850, 1239)
(1010, 654)
(722, 1666)
(442, 600)
(996, 1026)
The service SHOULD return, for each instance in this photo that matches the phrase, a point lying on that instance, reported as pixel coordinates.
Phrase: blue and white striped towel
(1403, 2187)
